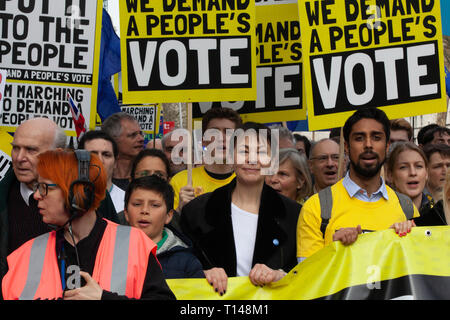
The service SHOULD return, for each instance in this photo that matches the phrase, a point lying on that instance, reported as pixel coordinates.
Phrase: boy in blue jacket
(149, 207)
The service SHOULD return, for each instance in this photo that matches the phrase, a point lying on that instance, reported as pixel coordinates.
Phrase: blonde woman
(293, 178)
(407, 171)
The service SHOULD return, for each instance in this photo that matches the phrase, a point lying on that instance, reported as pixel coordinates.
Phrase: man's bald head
(30, 139)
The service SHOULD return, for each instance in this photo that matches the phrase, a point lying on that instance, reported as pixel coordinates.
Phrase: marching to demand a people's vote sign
(374, 53)
(278, 67)
(186, 51)
(50, 49)
(148, 116)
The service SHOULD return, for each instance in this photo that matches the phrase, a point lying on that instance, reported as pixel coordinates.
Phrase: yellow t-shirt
(346, 213)
(201, 181)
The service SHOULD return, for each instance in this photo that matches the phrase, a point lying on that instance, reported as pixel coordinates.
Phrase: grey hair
(112, 125)
(315, 144)
(60, 138)
(286, 133)
(165, 138)
(301, 167)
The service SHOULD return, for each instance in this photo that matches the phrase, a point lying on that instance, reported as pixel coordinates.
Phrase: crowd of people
(113, 218)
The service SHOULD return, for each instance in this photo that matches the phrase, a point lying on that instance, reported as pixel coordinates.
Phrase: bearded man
(361, 201)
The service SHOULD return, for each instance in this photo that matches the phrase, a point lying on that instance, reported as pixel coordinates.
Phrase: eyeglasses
(325, 157)
(145, 173)
(43, 187)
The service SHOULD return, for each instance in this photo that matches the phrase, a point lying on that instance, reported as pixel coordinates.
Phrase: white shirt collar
(353, 189)
(25, 192)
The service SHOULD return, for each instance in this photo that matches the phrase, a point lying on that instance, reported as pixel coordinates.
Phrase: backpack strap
(406, 204)
(326, 204)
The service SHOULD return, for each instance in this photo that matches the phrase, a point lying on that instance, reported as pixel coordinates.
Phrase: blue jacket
(177, 258)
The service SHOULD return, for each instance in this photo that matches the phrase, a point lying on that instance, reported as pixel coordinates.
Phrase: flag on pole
(107, 102)
(445, 17)
(447, 81)
(77, 116)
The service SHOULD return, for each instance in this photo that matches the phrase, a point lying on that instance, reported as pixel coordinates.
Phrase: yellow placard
(54, 52)
(278, 67)
(358, 54)
(187, 50)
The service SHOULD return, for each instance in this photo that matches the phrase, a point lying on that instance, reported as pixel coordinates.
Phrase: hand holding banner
(379, 265)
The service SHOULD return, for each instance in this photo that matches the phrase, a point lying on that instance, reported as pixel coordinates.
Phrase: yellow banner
(386, 54)
(184, 51)
(368, 267)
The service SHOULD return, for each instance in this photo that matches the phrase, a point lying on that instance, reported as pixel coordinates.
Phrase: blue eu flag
(107, 102)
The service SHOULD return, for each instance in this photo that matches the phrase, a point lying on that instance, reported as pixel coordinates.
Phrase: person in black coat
(431, 214)
(244, 228)
(436, 213)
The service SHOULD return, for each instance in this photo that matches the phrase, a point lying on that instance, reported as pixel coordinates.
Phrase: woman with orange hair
(85, 257)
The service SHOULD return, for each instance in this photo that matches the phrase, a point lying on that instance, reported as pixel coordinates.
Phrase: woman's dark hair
(220, 113)
(256, 128)
(367, 113)
(428, 136)
(306, 142)
(152, 183)
(156, 153)
(423, 131)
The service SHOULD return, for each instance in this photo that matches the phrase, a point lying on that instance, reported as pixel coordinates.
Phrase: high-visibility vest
(120, 265)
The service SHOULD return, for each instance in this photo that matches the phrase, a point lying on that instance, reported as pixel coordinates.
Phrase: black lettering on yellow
(132, 29)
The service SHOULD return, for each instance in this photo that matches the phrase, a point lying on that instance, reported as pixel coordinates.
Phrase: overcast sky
(113, 10)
